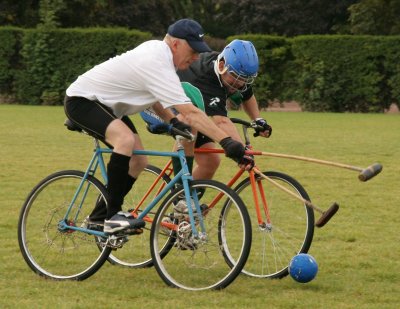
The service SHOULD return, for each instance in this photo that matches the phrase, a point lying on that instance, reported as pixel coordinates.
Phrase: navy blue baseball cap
(192, 32)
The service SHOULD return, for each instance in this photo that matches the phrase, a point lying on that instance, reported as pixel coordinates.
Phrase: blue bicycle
(204, 248)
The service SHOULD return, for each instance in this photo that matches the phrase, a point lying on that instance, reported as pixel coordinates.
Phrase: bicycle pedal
(116, 241)
(133, 231)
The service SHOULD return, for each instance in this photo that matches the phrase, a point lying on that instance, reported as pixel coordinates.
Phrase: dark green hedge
(51, 60)
(323, 73)
(346, 73)
(273, 53)
(9, 55)
(329, 73)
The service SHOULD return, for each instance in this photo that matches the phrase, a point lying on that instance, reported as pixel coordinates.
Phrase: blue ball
(303, 268)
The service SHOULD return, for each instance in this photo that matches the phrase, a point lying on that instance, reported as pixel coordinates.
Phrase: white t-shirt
(131, 82)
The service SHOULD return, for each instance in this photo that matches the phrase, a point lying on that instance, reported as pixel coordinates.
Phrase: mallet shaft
(308, 203)
(326, 215)
(365, 173)
(280, 155)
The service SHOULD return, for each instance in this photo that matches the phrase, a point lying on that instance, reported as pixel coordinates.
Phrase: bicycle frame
(97, 161)
(255, 184)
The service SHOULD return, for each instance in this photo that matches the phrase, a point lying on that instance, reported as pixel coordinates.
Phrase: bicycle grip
(241, 121)
(185, 134)
(370, 171)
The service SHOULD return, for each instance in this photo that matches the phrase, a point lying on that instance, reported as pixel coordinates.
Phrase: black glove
(181, 126)
(261, 125)
(247, 160)
(233, 149)
(158, 128)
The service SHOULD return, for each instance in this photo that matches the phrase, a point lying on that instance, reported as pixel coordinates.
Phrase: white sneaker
(122, 221)
(92, 225)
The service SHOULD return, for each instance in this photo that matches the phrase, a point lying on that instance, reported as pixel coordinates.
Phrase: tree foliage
(286, 17)
(22, 13)
(220, 18)
(376, 17)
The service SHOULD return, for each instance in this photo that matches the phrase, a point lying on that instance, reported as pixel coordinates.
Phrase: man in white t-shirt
(100, 100)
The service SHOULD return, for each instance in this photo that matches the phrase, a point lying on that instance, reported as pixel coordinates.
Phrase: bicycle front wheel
(50, 250)
(198, 263)
(287, 226)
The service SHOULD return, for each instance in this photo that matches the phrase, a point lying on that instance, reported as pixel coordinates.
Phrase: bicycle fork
(257, 184)
(257, 187)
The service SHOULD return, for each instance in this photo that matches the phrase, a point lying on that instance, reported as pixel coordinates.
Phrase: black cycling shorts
(92, 116)
(202, 139)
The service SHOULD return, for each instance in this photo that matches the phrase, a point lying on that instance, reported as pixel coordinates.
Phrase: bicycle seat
(72, 126)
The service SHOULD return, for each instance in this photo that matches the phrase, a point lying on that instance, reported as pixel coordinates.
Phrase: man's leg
(102, 123)
(206, 163)
(120, 136)
(136, 166)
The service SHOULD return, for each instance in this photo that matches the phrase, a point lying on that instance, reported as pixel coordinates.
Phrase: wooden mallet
(326, 215)
(364, 175)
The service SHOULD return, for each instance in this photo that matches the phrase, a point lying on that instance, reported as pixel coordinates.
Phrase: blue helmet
(241, 58)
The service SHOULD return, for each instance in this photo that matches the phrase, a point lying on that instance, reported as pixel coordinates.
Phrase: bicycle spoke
(136, 253)
(289, 231)
(50, 250)
(200, 263)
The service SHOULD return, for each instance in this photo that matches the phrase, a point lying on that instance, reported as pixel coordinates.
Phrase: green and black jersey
(202, 85)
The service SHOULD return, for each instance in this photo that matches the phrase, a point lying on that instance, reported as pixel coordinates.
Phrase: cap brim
(200, 47)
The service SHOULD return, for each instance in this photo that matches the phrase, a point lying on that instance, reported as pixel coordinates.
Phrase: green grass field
(357, 252)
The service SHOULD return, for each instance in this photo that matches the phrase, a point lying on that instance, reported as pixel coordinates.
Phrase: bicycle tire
(291, 231)
(49, 251)
(136, 253)
(199, 264)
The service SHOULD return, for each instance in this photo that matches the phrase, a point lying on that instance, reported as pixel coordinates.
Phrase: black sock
(129, 184)
(117, 172)
(99, 213)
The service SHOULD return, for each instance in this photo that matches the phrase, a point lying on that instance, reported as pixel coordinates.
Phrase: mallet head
(370, 171)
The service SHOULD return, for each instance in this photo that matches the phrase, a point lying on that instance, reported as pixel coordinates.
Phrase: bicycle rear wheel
(136, 252)
(289, 232)
(49, 250)
(199, 264)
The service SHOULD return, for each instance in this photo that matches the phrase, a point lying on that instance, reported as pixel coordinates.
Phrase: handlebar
(242, 122)
(163, 128)
(247, 124)
(184, 134)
